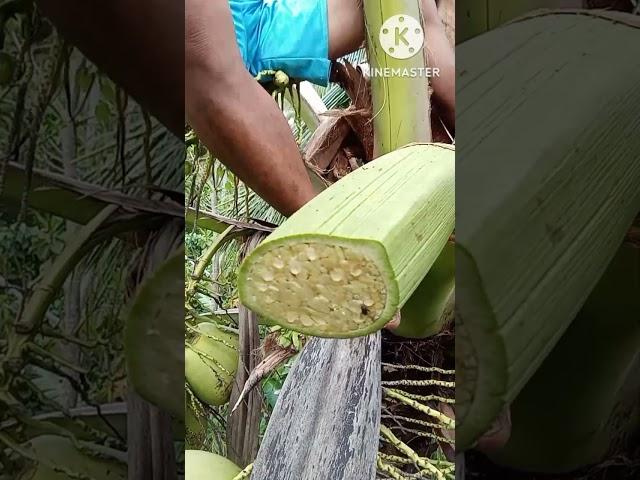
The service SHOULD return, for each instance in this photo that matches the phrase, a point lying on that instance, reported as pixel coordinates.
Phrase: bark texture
(327, 420)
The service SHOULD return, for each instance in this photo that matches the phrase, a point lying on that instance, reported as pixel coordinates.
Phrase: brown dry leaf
(270, 344)
(340, 165)
(355, 84)
(360, 113)
(326, 141)
(362, 126)
(276, 358)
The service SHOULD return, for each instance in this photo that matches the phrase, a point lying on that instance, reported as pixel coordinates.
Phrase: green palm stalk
(400, 103)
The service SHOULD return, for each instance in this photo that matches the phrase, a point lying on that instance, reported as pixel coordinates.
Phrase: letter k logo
(401, 36)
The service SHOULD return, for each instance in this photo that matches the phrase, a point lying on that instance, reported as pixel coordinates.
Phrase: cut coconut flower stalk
(345, 263)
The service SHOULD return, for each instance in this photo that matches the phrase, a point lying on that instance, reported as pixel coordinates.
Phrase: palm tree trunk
(150, 445)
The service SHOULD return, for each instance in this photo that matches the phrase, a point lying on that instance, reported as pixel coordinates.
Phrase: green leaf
(295, 339)
(271, 389)
(103, 112)
(284, 341)
(108, 90)
(84, 78)
(154, 336)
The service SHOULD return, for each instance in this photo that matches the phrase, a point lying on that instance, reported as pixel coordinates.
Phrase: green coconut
(195, 424)
(211, 361)
(431, 306)
(199, 465)
(61, 460)
(154, 336)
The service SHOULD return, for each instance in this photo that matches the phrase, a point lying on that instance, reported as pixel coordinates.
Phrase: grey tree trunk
(243, 425)
(151, 452)
(326, 422)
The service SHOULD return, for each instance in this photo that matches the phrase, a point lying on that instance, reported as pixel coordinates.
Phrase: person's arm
(234, 116)
(440, 54)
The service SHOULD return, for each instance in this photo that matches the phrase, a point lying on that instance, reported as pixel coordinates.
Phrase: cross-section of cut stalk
(347, 261)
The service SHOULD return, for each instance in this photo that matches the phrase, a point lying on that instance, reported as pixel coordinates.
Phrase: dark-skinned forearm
(245, 129)
(440, 54)
(234, 116)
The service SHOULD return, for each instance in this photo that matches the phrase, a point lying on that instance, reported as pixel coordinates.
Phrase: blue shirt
(287, 35)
